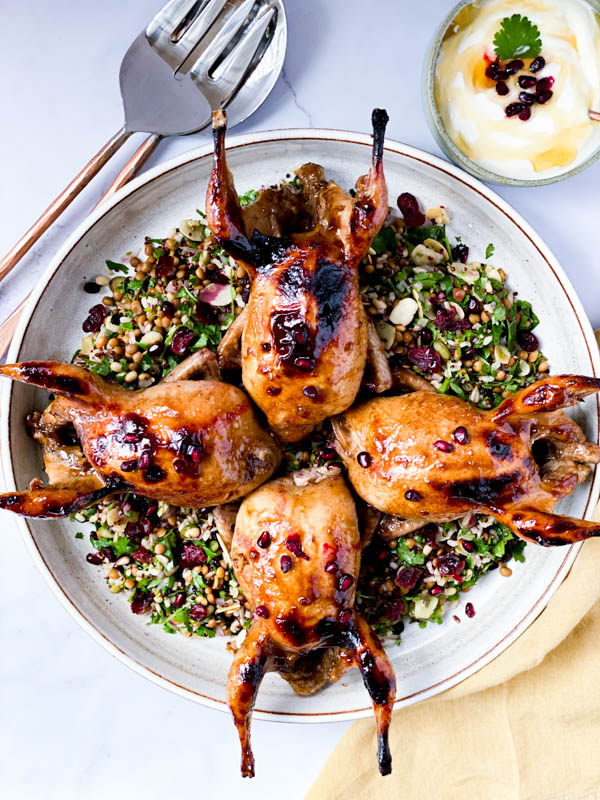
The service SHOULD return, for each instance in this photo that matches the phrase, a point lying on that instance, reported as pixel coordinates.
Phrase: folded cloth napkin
(525, 727)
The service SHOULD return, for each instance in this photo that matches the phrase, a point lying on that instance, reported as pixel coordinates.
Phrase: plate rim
(201, 152)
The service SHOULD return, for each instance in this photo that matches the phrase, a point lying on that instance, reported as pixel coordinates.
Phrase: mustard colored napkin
(525, 727)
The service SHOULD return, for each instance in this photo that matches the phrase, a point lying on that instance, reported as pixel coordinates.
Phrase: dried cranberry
(469, 610)
(425, 358)
(537, 64)
(460, 253)
(412, 495)
(264, 540)
(182, 340)
(527, 98)
(528, 341)
(142, 554)
(514, 66)
(448, 320)
(205, 313)
(94, 558)
(198, 612)
(286, 563)
(392, 610)
(512, 109)
(141, 603)
(527, 81)
(165, 267)
(445, 447)
(450, 565)
(192, 556)
(262, 611)
(407, 577)
(91, 287)
(96, 316)
(474, 306)
(364, 459)
(108, 554)
(461, 435)
(408, 205)
(345, 581)
(545, 83)
(501, 88)
(294, 545)
(134, 530)
(543, 97)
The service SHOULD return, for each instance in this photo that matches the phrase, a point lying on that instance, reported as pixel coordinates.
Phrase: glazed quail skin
(296, 554)
(304, 332)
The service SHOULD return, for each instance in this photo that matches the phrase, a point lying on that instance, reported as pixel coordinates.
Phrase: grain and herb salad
(450, 319)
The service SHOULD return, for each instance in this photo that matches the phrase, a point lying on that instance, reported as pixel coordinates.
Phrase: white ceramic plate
(428, 661)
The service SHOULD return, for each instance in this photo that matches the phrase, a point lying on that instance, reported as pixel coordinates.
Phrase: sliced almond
(403, 312)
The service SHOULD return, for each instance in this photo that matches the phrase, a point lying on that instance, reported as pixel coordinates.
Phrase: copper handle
(56, 208)
(141, 155)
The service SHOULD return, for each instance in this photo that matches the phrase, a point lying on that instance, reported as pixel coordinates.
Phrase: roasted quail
(296, 555)
(189, 443)
(304, 333)
(428, 457)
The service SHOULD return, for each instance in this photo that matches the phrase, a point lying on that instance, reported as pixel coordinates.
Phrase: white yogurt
(559, 135)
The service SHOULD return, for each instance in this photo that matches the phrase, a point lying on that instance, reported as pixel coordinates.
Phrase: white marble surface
(74, 722)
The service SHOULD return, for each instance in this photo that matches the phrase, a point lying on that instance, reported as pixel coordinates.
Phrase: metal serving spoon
(195, 55)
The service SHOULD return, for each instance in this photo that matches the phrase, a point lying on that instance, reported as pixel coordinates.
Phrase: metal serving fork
(222, 41)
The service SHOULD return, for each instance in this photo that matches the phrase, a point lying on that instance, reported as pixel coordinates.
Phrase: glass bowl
(436, 124)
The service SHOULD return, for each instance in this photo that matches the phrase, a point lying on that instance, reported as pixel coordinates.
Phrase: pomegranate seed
(167, 308)
(543, 97)
(525, 114)
(545, 83)
(344, 615)
(412, 495)
(461, 435)
(262, 611)
(364, 459)
(474, 305)
(179, 598)
(527, 98)
(154, 474)
(273, 391)
(527, 81)
(512, 109)
(129, 466)
(264, 540)
(460, 253)
(331, 567)
(286, 563)
(445, 447)
(345, 581)
(467, 545)
(502, 75)
(94, 558)
(305, 364)
(294, 545)
(514, 66)
(144, 461)
(501, 88)
(469, 610)
(311, 392)
(537, 64)
(436, 590)
(492, 70)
